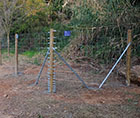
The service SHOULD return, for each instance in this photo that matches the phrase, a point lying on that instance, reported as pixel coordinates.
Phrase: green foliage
(33, 23)
(110, 18)
(40, 116)
(83, 15)
(57, 5)
(68, 13)
(37, 62)
(121, 12)
(30, 54)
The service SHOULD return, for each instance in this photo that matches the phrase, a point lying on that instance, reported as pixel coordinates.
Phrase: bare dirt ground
(19, 99)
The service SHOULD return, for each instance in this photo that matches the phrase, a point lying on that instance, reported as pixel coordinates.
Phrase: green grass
(4, 51)
(40, 116)
(36, 61)
(30, 54)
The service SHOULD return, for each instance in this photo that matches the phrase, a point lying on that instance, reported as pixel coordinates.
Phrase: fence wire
(102, 44)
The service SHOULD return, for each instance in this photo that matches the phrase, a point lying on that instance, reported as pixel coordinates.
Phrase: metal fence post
(16, 54)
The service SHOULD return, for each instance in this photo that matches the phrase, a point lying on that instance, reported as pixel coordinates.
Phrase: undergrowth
(30, 54)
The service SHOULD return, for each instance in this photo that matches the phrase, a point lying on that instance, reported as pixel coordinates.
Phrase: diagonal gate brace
(91, 88)
(39, 74)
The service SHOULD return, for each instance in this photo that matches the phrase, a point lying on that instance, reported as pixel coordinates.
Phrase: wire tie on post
(53, 73)
(53, 42)
(53, 66)
(53, 62)
(55, 48)
(51, 69)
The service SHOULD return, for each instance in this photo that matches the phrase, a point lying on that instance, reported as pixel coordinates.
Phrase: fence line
(101, 44)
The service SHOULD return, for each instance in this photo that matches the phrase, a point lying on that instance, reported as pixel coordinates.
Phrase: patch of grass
(135, 99)
(130, 100)
(4, 51)
(40, 116)
(36, 61)
(30, 54)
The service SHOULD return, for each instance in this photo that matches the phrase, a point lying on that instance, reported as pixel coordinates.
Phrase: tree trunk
(8, 43)
(0, 53)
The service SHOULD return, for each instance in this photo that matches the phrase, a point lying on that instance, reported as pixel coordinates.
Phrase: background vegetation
(98, 27)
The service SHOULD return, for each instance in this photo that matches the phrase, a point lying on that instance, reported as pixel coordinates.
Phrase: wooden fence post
(0, 53)
(51, 59)
(128, 61)
(8, 44)
(16, 54)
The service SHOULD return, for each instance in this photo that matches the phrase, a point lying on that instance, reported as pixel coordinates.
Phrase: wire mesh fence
(102, 44)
